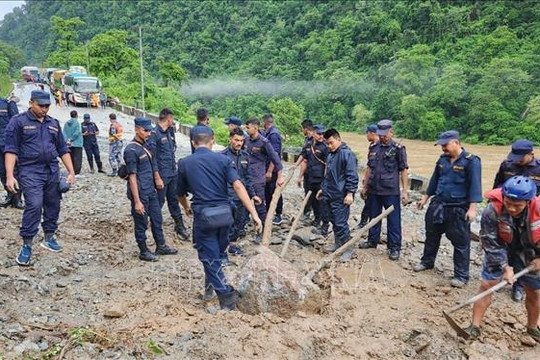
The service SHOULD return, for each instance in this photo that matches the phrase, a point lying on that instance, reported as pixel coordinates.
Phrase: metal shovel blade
(459, 331)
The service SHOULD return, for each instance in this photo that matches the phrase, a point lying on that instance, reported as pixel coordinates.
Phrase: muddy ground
(96, 300)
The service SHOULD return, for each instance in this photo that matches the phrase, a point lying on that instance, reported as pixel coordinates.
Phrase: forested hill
(428, 65)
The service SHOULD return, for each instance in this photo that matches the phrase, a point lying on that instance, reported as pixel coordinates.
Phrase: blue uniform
(307, 209)
(260, 153)
(341, 178)
(273, 135)
(453, 187)
(508, 169)
(386, 162)
(139, 161)
(37, 146)
(240, 162)
(162, 144)
(315, 154)
(8, 109)
(207, 175)
(90, 144)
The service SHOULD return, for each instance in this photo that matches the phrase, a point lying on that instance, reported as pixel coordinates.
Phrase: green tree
(67, 35)
(287, 116)
(361, 115)
(412, 110)
(170, 71)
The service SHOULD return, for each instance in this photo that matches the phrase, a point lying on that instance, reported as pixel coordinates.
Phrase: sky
(7, 6)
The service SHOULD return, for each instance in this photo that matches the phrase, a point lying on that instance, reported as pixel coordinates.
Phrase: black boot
(17, 202)
(8, 200)
(363, 222)
(228, 300)
(180, 229)
(91, 166)
(321, 230)
(100, 168)
(209, 293)
(336, 245)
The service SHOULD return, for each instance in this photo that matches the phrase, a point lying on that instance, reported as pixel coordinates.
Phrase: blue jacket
(261, 153)
(36, 144)
(240, 163)
(273, 135)
(386, 162)
(315, 153)
(341, 175)
(72, 133)
(92, 130)
(162, 144)
(509, 169)
(457, 183)
(8, 109)
(139, 162)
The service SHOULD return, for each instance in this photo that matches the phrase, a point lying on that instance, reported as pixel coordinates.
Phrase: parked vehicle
(30, 73)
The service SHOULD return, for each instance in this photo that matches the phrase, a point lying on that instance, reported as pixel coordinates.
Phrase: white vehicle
(78, 87)
(78, 70)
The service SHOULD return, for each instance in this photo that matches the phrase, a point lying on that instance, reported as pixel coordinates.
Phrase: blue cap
(233, 120)
(144, 123)
(41, 97)
(371, 128)
(63, 186)
(520, 148)
(86, 116)
(201, 129)
(319, 129)
(384, 127)
(446, 136)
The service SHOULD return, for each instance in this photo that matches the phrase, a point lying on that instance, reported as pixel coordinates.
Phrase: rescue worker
(273, 135)
(74, 139)
(233, 122)
(116, 144)
(307, 130)
(338, 188)
(261, 152)
(90, 143)
(314, 154)
(520, 161)
(207, 175)
(455, 189)
(102, 100)
(372, 138)
(510, 237)
(35, 141)
(8, 109)
(387, 165)
(202, 120)
(239, 159)
(162, 144)
(143, 181)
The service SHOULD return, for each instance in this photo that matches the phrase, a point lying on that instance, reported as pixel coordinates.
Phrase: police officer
(116, 144)
(307, 130)
(373, 138)
(143, 180)
(233, 122)
(240, 162)
(162, 144)
(338, 188)
(273, 135)
(35, 140)
(261, 153)
(207, 176)
(8, 109)
(387, 164)
(202, 120)
(90, 143)
(520, 161)
(455, 189)
(315, 154)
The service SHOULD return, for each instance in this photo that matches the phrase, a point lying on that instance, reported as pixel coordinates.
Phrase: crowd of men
(227, 188)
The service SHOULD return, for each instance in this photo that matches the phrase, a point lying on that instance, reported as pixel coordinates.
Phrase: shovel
(459, 330)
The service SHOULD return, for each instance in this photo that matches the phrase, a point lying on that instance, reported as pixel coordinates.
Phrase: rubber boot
(100, 167)
(8, 200)
(209, 293)
(348, 254)
(91, 165)
(180, 229)
(17, 202)
(363, 222)
(228, 300)
(321, 230)
(336, 245)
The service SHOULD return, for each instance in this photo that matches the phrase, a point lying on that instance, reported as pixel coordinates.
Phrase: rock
(115, 311)
(186, 337)
(508, 319)
(25, 346)
(212, 310)
(14, 329)
(43, 345)
(527, 340)
(61, 284)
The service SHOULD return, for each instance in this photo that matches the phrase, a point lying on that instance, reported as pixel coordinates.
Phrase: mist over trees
(430, 66)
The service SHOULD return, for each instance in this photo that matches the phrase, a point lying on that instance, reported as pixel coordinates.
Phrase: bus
(30, 73)
(78, 87)
(77, 70)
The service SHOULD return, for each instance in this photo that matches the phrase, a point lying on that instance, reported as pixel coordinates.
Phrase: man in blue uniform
(510, 238)
(162, 144)
(35, 140)
(307, 130)
(338, 188)
(207, 176)
(90, 143)
(143, 180)
(314, 154)
(261, 153)
(273, 135)
(520, 161)
(202, 120)
(373, 138)
(387, 165)
(455, 189)
(233, 122)
(240, 162)
(8, 109)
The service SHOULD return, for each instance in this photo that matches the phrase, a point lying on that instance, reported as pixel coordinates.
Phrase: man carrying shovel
(510, 236)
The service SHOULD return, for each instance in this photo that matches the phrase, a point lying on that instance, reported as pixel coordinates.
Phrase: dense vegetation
(468, 65)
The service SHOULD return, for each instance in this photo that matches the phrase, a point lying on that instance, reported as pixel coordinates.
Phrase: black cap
(520, 148)
(41, 97)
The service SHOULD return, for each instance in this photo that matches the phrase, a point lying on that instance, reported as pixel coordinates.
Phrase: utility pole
(87, 59)
(142, 69)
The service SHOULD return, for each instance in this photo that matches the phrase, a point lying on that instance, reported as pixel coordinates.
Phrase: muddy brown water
(422, 155)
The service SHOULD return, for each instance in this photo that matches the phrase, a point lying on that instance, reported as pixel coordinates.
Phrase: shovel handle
(491, 290)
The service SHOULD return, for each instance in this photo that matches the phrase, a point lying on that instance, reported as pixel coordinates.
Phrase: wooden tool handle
(295, 224)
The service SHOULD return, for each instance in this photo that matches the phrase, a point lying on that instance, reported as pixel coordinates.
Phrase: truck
(78, 87)
(30, 73)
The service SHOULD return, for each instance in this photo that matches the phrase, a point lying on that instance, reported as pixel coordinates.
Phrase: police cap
(371, 128)
(86, 116)
(320, 129)
(446, 136)
(201, 129)
(41, 97)
(520, 148)
(233, 120)
(384, 127)
(144, 123)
